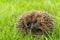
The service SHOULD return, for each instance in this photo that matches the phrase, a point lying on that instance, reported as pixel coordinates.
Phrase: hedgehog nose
(36, 29)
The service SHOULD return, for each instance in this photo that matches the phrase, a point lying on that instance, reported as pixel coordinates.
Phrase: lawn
(11, 9)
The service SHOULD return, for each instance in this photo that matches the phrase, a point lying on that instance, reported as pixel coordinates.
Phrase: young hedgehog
(37, 21)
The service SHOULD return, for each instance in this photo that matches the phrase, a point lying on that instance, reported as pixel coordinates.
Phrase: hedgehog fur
(36, 21)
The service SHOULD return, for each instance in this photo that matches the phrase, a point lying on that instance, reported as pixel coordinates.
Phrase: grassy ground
(11, 9)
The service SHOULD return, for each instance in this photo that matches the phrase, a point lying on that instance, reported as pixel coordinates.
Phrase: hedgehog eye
(28, 23)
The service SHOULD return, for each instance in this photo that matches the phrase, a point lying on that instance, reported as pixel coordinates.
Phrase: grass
(11, 9)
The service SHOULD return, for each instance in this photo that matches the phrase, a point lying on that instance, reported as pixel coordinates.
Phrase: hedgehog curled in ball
(36, 21)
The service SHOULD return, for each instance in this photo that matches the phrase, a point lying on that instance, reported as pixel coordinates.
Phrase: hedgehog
(38, 22)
